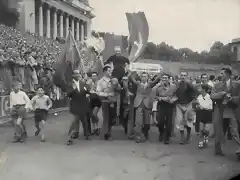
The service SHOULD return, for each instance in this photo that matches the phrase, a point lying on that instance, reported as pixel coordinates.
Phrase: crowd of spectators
(27, 58)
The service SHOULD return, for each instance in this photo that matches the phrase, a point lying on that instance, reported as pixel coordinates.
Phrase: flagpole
(75, 44)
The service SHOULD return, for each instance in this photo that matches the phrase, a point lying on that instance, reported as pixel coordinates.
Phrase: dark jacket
(79, 103)
(185, 93)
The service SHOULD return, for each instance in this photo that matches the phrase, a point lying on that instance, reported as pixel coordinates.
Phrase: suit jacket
(169, 92)
(234, 91)
(220, 109)
(79, 103)
(143, 95)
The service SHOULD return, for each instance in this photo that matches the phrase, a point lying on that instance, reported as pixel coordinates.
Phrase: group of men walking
(137, 100)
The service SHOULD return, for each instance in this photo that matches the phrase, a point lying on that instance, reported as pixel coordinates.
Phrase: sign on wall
(146, 67)
(4, 111)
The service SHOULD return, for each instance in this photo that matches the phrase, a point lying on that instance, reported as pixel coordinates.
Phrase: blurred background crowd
(27, 58)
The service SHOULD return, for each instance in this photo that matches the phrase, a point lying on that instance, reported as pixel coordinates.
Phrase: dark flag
(70, 60)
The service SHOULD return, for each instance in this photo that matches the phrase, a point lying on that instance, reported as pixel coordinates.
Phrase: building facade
(54, 18)
(235, 48)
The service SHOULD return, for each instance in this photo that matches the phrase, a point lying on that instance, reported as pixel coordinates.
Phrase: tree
(150, 51)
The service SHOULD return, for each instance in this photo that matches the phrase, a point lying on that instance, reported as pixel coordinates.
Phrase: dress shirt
(77, 84)
(41, 102)
(205, 102)
(145, 85)
(228, 84)
(210, 83)
(104, 86)
(19, 98)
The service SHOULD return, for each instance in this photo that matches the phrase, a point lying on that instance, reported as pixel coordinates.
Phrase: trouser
(131, 120)
(142, 120)
(197, 123)
(108, 113)
(233, 128)
(164, 119)
(74, 128)
(18, 115)
(184, 116)
(226, 126)
(89, 122)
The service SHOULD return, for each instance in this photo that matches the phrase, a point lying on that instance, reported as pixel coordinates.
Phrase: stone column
(48, 23)
(77, 30)
(82, 31)
(61, 24)
(67, 25)
(40, 20)
(89, 28)
(54, 23)
(72, 27)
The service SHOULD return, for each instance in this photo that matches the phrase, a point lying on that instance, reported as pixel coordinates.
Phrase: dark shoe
(229, 137)
(107, 136)
(146, 136)
(75, 135)
(160, 137)
(16, 140)
(140, 139)
(24, 135)
(218, 150)
(125, 130)
(87, 138)
(97, 132)
(188, 140)
(166, 142)
(238, 155)
(37, 132)
(131, 137)
(93, 132)
(70, 142)
(219, 154)
(182, 141)
(22, 140)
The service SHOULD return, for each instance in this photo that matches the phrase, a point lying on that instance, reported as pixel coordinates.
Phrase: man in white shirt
(19, 105)
(105, 92)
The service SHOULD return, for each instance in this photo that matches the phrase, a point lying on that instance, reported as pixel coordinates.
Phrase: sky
(195, 24)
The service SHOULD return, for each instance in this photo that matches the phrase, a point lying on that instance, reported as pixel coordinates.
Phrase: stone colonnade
(53, 22)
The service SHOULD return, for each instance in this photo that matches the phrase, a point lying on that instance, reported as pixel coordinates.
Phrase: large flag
(93, 53)
(138, 34)
(70, 60)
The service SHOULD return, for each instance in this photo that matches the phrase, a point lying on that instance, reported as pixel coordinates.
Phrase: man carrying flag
(67, 77)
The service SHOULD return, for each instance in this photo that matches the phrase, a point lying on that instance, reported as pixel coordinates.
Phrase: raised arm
(153, 83)
(133, 78)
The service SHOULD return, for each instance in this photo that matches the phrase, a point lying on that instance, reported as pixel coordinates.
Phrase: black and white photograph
(119, 89)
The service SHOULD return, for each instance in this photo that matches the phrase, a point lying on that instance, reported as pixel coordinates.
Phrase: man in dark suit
(225, 95)
(79, 107)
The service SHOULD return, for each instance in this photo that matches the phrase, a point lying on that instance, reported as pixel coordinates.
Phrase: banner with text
(146, 67)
